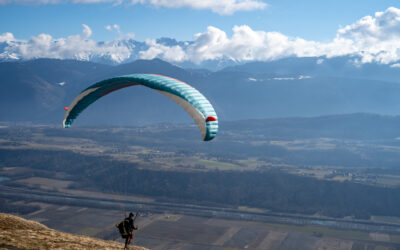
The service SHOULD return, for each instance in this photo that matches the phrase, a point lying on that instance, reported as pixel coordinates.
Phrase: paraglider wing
(190, 99)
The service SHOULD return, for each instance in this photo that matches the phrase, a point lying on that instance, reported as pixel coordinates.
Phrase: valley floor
(166, 230)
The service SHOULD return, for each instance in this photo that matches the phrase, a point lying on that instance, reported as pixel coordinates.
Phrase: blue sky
(309, 19)
(242, 30)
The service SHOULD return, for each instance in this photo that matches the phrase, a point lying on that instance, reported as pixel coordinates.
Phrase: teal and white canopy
(190, 99)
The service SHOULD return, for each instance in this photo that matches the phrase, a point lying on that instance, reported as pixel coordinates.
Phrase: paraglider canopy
(190, 99)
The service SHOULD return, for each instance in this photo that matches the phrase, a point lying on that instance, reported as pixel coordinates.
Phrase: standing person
(126, 228)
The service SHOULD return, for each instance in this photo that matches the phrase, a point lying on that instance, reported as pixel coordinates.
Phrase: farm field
(172, 231)
(90, 163)
(319, 158)
(163, 230)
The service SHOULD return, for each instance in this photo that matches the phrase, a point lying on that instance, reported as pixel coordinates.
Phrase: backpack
(123, 228)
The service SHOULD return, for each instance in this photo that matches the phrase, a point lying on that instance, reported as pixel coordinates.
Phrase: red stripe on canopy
(211, 119)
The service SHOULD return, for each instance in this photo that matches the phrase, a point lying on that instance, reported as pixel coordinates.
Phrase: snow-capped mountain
(111, 52)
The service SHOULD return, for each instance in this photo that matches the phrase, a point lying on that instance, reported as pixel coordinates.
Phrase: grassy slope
(18, 233)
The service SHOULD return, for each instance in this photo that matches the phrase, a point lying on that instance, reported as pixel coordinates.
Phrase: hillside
(18, 233)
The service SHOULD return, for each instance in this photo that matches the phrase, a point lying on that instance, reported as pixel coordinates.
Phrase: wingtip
(66, 125)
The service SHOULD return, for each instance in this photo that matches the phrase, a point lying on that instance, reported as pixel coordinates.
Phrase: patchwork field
(97, 149)
(171, 231)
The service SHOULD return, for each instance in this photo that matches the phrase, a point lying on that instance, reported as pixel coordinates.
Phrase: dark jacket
(129, 224)
(126, 227)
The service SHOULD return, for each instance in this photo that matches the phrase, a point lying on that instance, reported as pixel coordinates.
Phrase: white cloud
(58, 1)
(97, 1)
(395, 65)
(372, 38)
(300, 77)
(87, 32)
(375, 39)
(113, 27)
(384, 26)
(73, 47)
(28, 1)
(247, 45)
(284, 78)
(224, 7)
(6, 37)
(168, 53)
(121, 35)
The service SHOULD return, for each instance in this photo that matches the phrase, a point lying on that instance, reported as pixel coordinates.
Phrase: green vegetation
(381, 248)
(325, 231)
(395, 238)
(269, 189)
(388, 180)
(210, 164)
(282, 165)
(12, 206)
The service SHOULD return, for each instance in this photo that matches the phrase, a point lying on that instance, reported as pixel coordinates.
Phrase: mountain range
(10, 51)
(38, 90)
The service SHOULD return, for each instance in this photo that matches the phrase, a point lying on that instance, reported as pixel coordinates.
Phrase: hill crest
(19, 233)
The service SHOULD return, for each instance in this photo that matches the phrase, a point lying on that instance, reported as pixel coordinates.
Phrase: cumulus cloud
(373, 39)
(247, 45)
(370, 39)
(384, 26)
(6, 37)
(73, 47)
(168, 53)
